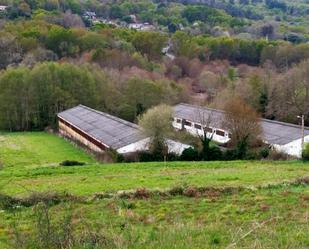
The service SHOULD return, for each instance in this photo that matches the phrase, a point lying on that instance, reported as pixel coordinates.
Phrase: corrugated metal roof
(274, 132)
(110, 130)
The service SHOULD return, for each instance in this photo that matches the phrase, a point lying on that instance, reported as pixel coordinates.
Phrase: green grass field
(266, 211)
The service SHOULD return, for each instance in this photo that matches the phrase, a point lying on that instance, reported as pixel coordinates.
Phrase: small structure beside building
(100, 131)
(284, 137)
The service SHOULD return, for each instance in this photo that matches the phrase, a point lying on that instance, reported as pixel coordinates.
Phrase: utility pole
(302, 117)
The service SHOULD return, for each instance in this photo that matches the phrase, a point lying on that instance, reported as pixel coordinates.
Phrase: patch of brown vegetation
(264, 207)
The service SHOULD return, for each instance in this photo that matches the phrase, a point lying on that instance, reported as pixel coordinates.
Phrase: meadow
(235, 204)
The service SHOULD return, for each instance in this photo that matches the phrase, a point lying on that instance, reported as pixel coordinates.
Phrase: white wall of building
(176, 147)
(142, 145)
(137, 146)
(294, 148)
(198, 132)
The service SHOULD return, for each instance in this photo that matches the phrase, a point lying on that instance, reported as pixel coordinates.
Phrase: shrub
(141, 193)
(189, 154)
(305, 153)
(131, 157)
(145, 156)
(126, 204)
(177, 190)
(71, 163)
(54, 231)
(172, 157)
(191, 192)
(302, 180)
(7, 202)
(264, 152)
(114, 156)
(252, 155)
(214, 153)
(229, 155)
(277, 155)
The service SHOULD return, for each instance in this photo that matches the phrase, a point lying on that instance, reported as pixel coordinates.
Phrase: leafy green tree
(62, 41)
(150, 43)
(31, 98)
(156, 123)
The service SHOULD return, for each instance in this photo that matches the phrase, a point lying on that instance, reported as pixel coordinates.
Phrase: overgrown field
(238, 204)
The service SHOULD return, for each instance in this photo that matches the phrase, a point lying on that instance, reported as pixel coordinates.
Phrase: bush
(114, 156)
(305, 153)
(146, 156)
(7, 202)
(215, 153)
(54, 231)
(189, 154)
(71, 163)
(252, 155)
(264, 152)
(172, 157)
(277, 155)
(229, 155)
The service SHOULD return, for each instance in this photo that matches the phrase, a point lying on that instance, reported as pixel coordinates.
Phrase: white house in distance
(100, 131)
(3, 7)
(284, 137)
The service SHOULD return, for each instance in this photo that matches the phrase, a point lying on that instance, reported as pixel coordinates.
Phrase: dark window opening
(197, 126)
(220, 133)
(178, 120)
(187, 123)
(207, 129)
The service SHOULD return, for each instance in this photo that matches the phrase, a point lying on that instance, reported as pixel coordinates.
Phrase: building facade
(281, 136)
(100, 131)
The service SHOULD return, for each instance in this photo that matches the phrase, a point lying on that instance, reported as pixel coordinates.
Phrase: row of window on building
(207, 129)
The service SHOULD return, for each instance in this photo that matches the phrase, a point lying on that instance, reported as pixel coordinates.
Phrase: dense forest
(54, 55)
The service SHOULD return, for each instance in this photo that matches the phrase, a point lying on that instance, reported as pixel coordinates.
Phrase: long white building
(100, 131)
(284, 137)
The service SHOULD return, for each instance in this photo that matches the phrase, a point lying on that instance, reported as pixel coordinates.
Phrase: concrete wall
(199, 132)
(70, 133)
(176, 147)
(142, 145)
(293, 148)
(138, 146)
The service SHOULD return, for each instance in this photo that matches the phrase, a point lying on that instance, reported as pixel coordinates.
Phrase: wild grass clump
(52, 232)
(177, 190)
(7, 202)
(49, 198)
(142, 193)
(302, 181)
(305, 153)
(71, 163)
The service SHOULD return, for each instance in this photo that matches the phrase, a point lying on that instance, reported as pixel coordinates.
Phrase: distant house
(90, 15)
(282, 136)
(3, 7)
(100, 131)
(141, 26)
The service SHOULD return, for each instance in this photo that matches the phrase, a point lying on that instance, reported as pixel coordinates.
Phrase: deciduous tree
(243, 123)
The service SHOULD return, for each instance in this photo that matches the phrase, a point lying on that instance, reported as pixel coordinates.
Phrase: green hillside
(146, 205)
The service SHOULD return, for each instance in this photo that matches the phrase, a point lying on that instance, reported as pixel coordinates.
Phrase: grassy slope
(32, 149)
(30, 163)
